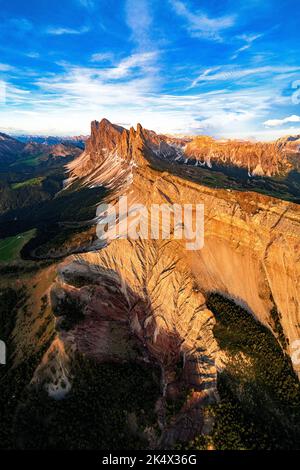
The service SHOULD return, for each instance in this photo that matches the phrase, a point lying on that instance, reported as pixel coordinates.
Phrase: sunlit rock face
(145, 299)
(251, 248)
(141, 302)
(258, 158)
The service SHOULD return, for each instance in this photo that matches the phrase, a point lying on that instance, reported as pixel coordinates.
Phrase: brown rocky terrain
(145, 299)
(289, 143)
(259, 158)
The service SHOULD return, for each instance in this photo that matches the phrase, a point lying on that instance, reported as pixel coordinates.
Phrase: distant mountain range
(13, 150)
(31, 172)
(78, 141)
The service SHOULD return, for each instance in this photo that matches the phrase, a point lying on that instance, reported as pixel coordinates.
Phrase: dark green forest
(259, 397)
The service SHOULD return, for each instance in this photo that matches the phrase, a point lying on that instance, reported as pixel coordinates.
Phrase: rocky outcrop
(290, 143)
(140, 301)
(112, 152)
(258, 158)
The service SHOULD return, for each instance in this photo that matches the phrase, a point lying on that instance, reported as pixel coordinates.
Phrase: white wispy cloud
(127, 80)
(13, 95)
(280, 122)
(229, 73)
(101, 57)
(141, 61)
(60, 30)
(2, 91)
(248, 40)
(139, 19)
(89, 4)
(5, 67)
(32, 55)
(200, 25)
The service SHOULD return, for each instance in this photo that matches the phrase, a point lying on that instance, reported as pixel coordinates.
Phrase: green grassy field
(10, 247)
(29, 161)
(30, 182)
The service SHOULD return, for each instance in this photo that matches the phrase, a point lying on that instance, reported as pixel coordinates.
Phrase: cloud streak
(201, 25)
(88, 4)
(5, 67)
(101, 57)
(249, 39)
(139, 20)
(229, 73)
(60, 30)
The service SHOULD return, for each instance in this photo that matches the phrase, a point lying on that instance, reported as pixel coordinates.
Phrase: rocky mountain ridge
(257, 159)
(77, 141)
(259, 227)
(152, 292)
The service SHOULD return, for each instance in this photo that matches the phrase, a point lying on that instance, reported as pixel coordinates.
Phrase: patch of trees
(260, 396)
(23, 267)
(10, 301)
(95, 413)
(13, 380)
(277, 326)
(72, 311)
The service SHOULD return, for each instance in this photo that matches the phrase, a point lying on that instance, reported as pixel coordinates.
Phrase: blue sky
(225, 68)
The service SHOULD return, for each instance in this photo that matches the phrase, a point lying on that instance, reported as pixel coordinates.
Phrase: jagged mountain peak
(105, 126)
(113, 150)
(103, 136)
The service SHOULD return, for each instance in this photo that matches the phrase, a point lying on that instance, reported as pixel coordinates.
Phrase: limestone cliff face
(112, 152)
(145, 299)
(251, 248)
(289, 143)
(258, 158)
(140, 301)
